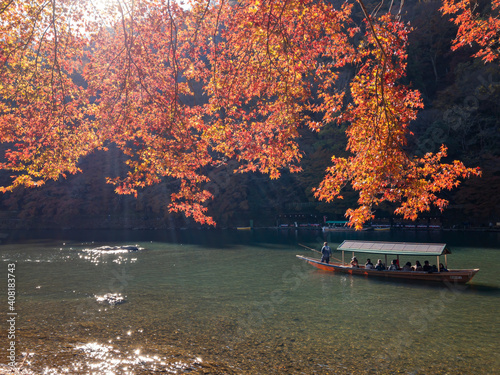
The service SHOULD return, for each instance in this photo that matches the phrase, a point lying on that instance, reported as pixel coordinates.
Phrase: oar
(310, 248)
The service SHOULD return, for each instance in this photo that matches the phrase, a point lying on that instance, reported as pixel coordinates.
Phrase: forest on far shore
(461, 97)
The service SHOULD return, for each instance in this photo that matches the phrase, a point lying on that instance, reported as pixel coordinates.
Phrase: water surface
(222, 302)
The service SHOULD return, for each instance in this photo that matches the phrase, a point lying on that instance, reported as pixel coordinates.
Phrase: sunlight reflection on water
(99, 359)
(103, 253)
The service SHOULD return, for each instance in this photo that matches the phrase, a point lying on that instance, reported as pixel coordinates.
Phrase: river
(240, 302)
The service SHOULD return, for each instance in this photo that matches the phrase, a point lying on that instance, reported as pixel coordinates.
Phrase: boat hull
(452, 276)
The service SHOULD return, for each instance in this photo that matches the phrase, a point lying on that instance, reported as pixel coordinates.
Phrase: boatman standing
(325, 252)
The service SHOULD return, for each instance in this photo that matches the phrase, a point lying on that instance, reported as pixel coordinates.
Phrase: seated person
(418, 266)
(442, 268)
(354, 262)
(394, 265)
(369, 264)
(407, 267)
(427, 267)
(380, 266)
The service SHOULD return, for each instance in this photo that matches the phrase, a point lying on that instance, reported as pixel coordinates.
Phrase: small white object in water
(111, 298)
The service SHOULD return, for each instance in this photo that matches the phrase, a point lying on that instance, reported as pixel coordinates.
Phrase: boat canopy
(395, 248)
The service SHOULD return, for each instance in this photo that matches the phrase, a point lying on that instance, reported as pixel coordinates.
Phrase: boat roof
(396, 248)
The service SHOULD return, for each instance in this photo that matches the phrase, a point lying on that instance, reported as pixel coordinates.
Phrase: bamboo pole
(310, 248)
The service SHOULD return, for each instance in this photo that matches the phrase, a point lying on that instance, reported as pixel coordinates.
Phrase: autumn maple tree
(180, 88)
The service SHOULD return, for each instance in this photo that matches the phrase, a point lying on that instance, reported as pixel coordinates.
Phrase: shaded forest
(460, 95)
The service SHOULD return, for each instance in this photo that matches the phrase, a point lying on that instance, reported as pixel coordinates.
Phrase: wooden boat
(395, 249)
(339, 226)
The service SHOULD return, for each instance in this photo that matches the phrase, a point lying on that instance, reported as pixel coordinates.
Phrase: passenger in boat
(369, 264)
(427, 267)
(394, 265)
(325, 252)
(418, 266)
(407, 267)
(380, 266)
(442, 268)
(354, 262)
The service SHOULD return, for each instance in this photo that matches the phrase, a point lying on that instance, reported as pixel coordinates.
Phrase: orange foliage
(379, 116)
(258, 64)
(476, 26)
(43, 113)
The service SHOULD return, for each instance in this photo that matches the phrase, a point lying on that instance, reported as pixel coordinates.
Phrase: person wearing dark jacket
(380, 266)
(427, 267)
(325, 253)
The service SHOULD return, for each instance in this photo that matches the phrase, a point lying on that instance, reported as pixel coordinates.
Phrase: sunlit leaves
(261, 78)
(478, 24)
(379, 116)
(181, 89)
(43, 111)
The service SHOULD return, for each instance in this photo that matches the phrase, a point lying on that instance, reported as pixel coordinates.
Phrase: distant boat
(395, 249)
